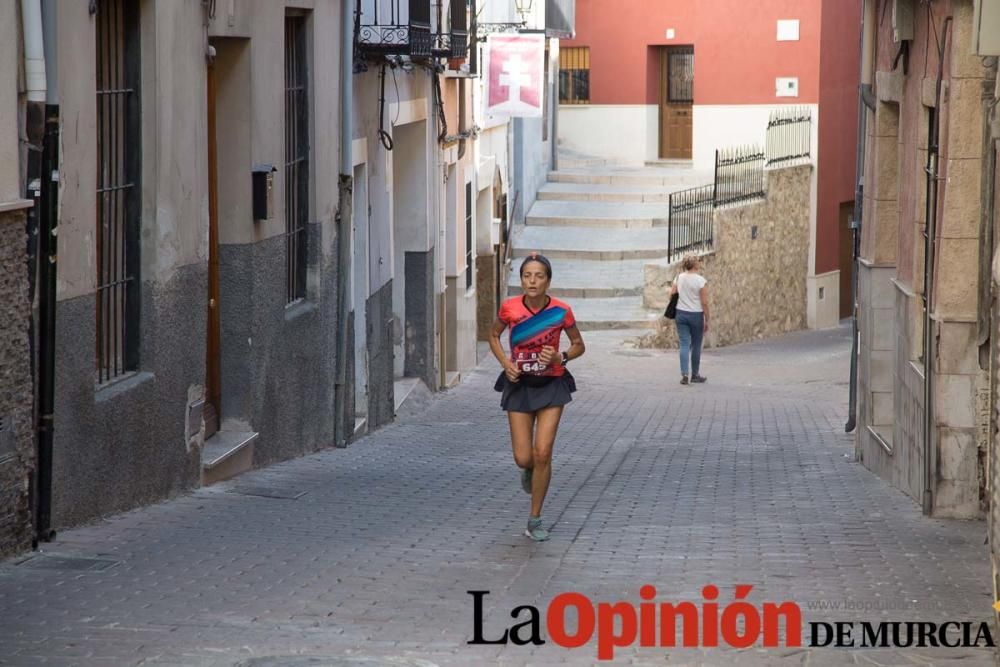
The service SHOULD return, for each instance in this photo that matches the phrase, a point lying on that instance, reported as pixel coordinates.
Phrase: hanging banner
(516, 67)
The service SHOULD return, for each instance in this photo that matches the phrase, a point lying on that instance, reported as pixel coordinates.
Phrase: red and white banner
(516, 66)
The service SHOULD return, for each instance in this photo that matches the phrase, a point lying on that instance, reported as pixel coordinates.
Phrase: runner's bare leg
(545, 436)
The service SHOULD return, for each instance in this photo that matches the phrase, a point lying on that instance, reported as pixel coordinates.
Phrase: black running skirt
(524, 397)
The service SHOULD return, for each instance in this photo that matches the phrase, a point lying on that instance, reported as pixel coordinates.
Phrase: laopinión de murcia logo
(708, 623)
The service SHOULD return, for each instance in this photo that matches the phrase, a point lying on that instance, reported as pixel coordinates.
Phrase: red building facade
(746, 60)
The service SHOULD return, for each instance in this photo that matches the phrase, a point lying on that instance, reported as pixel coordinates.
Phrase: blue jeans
(690, 331)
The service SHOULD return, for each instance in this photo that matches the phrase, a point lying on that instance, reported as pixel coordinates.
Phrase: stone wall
(757, 272)
(17, 453)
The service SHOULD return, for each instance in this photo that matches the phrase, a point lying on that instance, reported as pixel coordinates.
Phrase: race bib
(528, 362)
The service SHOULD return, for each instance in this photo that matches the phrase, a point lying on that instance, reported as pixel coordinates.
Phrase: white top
(689, 290)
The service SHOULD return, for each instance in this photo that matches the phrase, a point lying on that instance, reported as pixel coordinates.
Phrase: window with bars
(296, 154)
(118, 169)
(680, 77)
(468, 236)
(574, 75)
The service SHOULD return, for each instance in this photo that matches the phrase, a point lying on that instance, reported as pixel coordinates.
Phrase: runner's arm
(497, 348)
(576, 346)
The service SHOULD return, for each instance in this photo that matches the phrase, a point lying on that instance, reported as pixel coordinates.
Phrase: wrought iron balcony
(453, 42)
(394, 27)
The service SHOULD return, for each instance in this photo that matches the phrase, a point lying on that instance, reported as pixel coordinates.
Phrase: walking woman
(692, 316)
(534, 381)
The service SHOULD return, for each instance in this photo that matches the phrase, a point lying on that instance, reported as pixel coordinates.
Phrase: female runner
(535, 382)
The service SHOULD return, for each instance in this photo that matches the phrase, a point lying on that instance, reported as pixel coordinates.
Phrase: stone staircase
(599, 224)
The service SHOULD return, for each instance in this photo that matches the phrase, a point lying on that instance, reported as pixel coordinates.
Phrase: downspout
(930, 247)
(345, 187)
(34, 50)
(864, 103)
(43, 141)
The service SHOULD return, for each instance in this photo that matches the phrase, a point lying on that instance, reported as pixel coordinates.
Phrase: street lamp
(523, 8)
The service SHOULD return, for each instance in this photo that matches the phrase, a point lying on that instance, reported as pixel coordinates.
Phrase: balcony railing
(394, 27)
(454, 42)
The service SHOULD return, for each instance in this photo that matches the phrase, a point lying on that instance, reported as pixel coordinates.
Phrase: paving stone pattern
(746, 479)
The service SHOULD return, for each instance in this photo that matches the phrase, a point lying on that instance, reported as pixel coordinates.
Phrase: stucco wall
(737, 56)
(17, 454)
(9, 110)
(757, 287)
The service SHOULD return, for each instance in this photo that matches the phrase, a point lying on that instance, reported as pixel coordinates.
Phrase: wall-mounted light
(523, 8)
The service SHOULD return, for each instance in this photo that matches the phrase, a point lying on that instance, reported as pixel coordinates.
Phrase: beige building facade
(927, 145)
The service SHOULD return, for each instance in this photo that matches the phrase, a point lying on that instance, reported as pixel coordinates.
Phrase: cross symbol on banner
(514, 76)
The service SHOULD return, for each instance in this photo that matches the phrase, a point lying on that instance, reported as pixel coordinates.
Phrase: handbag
(671, 311)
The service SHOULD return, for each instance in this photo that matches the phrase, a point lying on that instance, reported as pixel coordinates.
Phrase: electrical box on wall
(495, 231)
(986, 28)
(786, 86)
(788, 30)
(902, 20)
(263, 191)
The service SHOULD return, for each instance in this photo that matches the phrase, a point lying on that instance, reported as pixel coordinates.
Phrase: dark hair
(541, 259)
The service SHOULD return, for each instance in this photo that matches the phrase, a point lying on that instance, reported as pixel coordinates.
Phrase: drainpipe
(864, 103)
(344, 218)
(42, 129)
(930, 248)
(34, 51)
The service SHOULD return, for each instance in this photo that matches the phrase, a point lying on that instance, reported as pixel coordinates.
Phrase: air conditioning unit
(902, 20)
(986, 28)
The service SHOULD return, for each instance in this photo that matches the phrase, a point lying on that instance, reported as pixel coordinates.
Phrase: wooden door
(676, 101)
(212, 372)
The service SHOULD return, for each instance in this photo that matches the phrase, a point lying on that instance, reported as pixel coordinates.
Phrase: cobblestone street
(364, 556)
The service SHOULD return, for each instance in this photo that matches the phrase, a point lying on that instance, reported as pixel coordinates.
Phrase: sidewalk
(364, 556)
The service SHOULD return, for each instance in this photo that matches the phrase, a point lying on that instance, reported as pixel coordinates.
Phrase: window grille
(680, 82)
(118, 169)
(296, 155)
(468, 235)
(574, 75)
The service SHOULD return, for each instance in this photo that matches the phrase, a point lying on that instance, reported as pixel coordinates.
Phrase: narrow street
(364, 556)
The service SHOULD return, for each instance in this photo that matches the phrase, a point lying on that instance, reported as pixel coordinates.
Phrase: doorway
(676, 100)
(213, 380)
(228, 125)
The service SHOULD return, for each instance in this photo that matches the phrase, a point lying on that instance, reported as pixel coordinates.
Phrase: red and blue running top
(529, 331)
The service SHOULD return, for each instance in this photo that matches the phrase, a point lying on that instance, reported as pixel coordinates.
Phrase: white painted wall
(630, 133)
(625, 133)
(721, 126)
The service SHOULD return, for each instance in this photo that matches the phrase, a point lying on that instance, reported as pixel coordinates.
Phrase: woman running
(535, 382)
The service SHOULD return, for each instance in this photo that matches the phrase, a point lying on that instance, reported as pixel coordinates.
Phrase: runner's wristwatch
(565, 358)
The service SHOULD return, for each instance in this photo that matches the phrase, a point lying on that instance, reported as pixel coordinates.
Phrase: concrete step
(671, 162)
(589, 279)
(624, 312)
(597, 214)
(565, 242)
(631, 176)
(226, 454)
(624, 194)
(573, 160)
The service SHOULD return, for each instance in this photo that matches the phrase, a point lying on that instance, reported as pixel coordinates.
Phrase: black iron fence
(690, 225)
(739, 175)
(789, 136)
(739, 179)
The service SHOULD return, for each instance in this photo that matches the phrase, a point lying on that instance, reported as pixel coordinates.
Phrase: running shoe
(698, 378)
(535, 530)
(526, 480)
